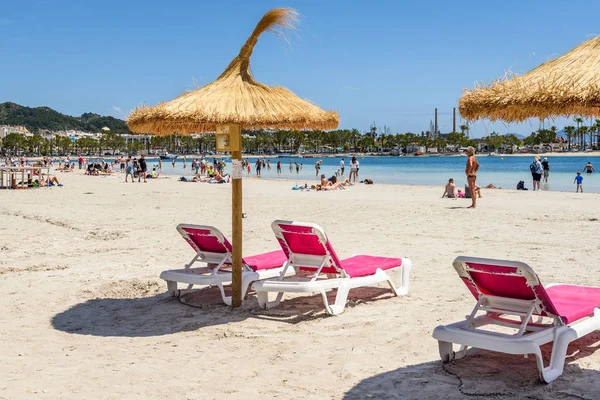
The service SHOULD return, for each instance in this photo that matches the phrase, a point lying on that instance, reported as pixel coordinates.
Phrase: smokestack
(454, 119)
(435, 129)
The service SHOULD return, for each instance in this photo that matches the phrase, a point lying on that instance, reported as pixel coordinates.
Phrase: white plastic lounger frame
(319, 282)
(529, 335)
(210, 274)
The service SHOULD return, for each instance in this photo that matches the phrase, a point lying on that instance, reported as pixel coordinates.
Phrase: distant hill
(46, 118)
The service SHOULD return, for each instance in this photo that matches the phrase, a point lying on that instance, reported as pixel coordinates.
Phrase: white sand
(84, 314)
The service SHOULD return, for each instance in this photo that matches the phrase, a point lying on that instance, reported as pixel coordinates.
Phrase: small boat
(307, 156)
(418, 153)
(166, 156)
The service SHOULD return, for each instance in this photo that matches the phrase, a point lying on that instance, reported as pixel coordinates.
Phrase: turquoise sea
(500, 171)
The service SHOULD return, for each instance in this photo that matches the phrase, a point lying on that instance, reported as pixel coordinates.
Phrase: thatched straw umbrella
(234, 101)
(566, 86)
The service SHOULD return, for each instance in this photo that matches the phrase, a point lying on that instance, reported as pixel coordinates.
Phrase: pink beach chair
(509, 294)
(307, 248)
(214, 250)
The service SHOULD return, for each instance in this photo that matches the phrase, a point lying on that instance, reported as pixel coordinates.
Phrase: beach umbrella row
(236, 101)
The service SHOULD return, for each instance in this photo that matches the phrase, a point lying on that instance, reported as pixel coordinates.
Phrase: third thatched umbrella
(234, 101)
(566, 86)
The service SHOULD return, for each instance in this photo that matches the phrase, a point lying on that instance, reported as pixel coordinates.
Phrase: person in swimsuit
(471, 172)
(579, 181)
(589, 168)
(258, 167)
(450, 190)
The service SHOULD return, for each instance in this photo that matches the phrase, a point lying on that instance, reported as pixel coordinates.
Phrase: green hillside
(46, 118)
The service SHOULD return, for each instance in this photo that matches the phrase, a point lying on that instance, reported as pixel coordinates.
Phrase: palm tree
(581, 132)
(569, 131)
(597, 128)
(579, 121)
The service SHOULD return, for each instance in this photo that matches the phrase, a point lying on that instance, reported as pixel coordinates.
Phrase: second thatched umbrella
(234, 101)
(566, 86)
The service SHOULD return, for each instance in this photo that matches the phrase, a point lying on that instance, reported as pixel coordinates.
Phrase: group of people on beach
(540, 170)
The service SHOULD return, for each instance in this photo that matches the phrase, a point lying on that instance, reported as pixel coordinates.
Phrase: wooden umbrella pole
(236, 218)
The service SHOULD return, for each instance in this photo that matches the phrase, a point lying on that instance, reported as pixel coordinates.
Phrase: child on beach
(579, 181)
(450, 190)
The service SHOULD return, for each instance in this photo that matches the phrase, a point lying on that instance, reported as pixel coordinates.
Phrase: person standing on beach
(129, 169)
(579, 181)
(471, 172)
(159, 163)
(536, 172)
(80, 161)
(354, 165)
(342, 166)
(546, 167)
(589, 168)
(143, 169)
(184, 162)
(318, 167)
(258, 167)
(278, 167)
(173, 160)
(297, 168)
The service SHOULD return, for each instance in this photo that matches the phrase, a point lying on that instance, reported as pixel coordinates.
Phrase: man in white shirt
(342, 165)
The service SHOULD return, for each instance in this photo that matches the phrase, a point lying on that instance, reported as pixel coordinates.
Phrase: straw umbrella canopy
(566, 86)
(236, 99)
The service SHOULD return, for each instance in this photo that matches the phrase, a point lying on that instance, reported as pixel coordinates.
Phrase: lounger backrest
(205, 240)
(306, 245)
(501, 278)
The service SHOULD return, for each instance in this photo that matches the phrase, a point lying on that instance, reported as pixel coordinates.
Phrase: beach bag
(532, 167)
(467, 192)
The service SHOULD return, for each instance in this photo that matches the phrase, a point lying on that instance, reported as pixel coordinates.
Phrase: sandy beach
(86, 316)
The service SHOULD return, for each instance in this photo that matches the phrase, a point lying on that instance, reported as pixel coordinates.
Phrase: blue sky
(389, 62)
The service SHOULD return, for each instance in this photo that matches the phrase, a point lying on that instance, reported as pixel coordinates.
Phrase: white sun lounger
(214, 250)
(307, 248)
(509, 294)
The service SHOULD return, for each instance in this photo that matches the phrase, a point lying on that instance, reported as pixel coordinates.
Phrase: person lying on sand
(326, 182)
(50, 181)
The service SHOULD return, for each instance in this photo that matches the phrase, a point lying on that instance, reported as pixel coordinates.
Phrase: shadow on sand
(133, 313)
(484, 374)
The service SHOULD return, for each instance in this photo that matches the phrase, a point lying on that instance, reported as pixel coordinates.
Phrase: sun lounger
(214, 250)
(509, 294)
(307, 248)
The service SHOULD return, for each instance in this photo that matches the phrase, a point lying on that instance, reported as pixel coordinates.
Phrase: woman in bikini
(471, 172)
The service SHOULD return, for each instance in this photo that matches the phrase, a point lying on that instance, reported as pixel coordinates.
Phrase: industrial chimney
(454, 119)
(435, 128)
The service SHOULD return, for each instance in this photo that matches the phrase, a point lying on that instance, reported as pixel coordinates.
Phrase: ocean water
(500, 171)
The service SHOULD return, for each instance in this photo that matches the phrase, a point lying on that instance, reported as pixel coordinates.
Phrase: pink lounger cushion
(569, 302)
(272, 259)
(574, 302)
(363, 265)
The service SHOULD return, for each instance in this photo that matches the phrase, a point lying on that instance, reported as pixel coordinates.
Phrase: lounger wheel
(447, 353)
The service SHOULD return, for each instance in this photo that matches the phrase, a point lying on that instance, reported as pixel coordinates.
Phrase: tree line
(292, 141)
